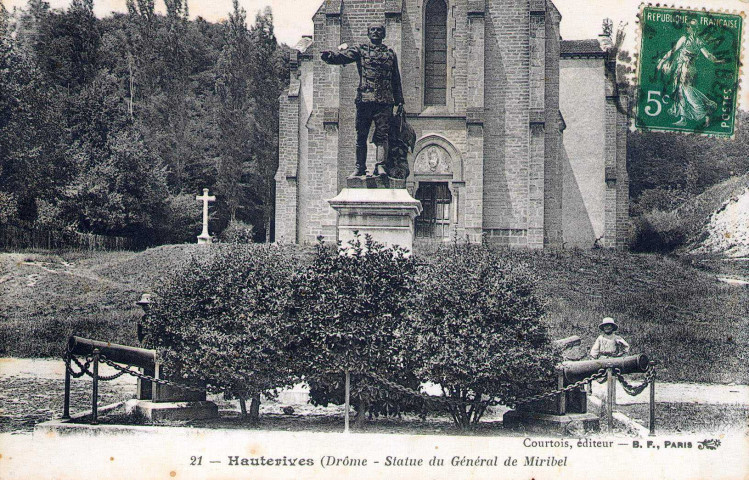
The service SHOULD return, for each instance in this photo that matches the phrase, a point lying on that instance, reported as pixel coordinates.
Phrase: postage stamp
(688, 72)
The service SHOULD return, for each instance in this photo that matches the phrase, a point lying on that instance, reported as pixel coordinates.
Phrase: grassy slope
(687, 224)
(695, 326)
(93, 295)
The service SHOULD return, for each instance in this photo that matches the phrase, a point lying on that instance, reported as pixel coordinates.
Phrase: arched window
(435, 53)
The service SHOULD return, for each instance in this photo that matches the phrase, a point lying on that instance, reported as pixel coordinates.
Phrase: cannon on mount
(569, 372)
(145, 359)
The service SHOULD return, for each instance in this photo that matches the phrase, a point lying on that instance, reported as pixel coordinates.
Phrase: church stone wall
(583, 105)
(596, 184)
(506, 126)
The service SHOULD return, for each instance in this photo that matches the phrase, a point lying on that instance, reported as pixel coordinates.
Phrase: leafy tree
(350, 310)
(475, 328)
(123, 194)
(236, 120)
(220, 319)
(32, 125)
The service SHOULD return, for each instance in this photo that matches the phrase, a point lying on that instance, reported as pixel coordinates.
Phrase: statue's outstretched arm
(346, 56)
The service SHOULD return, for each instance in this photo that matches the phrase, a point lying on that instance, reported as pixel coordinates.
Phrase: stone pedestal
(156, 411)
(369, 205)
(545, 423)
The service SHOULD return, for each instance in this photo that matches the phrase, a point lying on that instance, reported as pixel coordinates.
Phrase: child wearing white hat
(609, 344)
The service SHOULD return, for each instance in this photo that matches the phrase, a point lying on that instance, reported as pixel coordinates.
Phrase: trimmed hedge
(254, 318)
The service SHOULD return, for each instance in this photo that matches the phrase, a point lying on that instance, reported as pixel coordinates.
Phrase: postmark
(688, 71)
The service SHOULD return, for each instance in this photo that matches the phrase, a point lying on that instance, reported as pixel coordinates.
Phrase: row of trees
(250, 319)
(112, 125)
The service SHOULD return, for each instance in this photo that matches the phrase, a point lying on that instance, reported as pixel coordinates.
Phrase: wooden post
(347, 403)
(66, 401)
(652, 406)
(95, 395)
(562, 401)
(610, 393)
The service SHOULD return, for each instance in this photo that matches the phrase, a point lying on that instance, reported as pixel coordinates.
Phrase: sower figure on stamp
(379, 91)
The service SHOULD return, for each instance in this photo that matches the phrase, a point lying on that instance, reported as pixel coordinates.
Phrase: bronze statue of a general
(378, 93)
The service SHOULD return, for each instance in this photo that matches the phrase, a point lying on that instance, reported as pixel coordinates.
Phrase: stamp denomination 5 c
(688, 72)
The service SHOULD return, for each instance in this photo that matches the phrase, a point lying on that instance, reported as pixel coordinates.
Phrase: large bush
(350, 306)
(221, 320)
(476, 330)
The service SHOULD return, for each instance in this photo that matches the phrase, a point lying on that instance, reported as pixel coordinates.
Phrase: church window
(435, 53)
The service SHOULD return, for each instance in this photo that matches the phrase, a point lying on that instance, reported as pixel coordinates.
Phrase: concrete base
(173, 410)
(387, 214)
(546, 423)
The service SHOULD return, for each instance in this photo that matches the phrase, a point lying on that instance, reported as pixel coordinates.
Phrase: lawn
(672, 309)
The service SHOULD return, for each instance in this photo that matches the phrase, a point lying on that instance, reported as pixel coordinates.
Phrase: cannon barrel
(574, 371)
(139, 357)
(565, 343)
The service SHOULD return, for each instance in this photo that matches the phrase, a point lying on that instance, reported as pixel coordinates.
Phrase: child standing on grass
(608, 344)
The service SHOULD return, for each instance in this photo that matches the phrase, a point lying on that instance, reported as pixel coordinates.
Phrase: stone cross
(204, 237)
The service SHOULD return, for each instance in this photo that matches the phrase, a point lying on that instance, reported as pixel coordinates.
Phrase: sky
(293, 18)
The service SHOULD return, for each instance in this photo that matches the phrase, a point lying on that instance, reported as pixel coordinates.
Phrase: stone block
(576, 423)
(387, 214)
(175, 410)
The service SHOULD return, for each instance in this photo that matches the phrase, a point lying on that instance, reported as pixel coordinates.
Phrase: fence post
(347, 406)
(652, 405)
(562, 401)
(95, 396)
(610, 394)
(66, 401)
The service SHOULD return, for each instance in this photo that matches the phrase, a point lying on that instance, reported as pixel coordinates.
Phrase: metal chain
(455, 402)
(160, 381)
(635, 390)
(86, 371)
(534, 398)
(83, 367)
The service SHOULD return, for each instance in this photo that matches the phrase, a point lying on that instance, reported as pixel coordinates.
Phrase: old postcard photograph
(385, 239)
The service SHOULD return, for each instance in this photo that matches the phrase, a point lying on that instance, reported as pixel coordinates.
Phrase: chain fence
(635, 390)
(433, 400)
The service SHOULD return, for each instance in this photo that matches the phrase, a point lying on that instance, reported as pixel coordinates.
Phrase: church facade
(521, 137)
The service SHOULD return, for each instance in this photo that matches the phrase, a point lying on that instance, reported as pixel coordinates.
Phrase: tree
(32, 126)
(221, 320)
(349, 310)
(235, 117)
(475, 328)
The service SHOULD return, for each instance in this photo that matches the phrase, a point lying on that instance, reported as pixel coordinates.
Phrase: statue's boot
(382, 156)
(361, 162)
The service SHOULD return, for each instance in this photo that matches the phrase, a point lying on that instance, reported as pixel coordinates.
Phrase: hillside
(46, 296)
(714, 222)
(679, 314)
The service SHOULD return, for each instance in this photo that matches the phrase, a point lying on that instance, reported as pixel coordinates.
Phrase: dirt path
(58, 266)
(704, 394)
(32, 392)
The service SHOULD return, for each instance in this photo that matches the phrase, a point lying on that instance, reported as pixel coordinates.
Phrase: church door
(434, 221)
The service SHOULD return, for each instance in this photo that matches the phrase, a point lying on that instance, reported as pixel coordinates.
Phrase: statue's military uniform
(379, 90)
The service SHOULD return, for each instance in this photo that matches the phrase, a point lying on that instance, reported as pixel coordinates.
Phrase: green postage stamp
(688, 72)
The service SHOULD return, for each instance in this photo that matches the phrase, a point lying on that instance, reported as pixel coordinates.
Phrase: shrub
(220, 320)
(350, 308)
(237, 232)
(657, 231)
(366, 396)
(475, 329)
